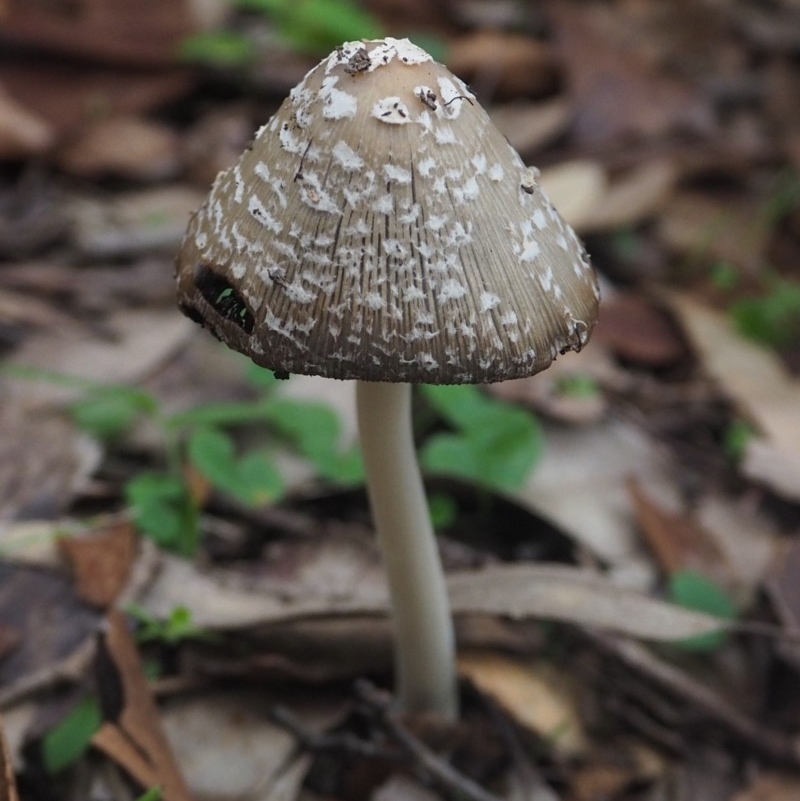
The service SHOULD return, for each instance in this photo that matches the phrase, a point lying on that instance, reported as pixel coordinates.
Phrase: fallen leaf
(136, 740)
(112, 30)
(56, 631)
(677, 541)
(44, 461)
(501, 64)
(533, 694)
(229, 748)
(575, 188)
(101, 561)
(767, 462)
(575, 595)
(633, 197)
(399, 787)
(136, 343)
(616, 93)
(65, 94)
(754, 378)
(638, 331)
(22, 132)
(8, 786)
(126, 146)
(579, 485)
(530, 126)
(730, 229)
(133, 222)
(217, 600)
(770, 786)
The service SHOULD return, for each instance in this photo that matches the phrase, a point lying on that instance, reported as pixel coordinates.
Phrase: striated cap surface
(381, 228)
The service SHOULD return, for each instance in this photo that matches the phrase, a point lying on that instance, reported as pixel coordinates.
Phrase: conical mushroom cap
(381, 228)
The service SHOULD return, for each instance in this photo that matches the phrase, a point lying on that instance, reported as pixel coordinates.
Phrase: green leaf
(108, 412)
(443, 510)
(164, 510)
(252, 479)
(153, 794)
(494, 444)
(692, 590)
(736, 437)
(69, 740)
(178, 626)
(225, 413)
(577, 385)
(221, 48)
(314, 429)
(317, 25)
(772, 318)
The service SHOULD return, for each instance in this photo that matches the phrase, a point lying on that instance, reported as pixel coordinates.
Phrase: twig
(446, 778)
(766, 741)
(316, 743)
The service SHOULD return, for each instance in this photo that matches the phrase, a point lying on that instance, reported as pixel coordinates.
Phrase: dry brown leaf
(771, 786)
(617, 93)
(137, 740)
(754, 378)
(22, 132)
(136, 343)
(133, 222)
(218, 600)
(101, 561)
(145, 33)
(638, 331)
(702, 226)
(228, 747)
(8, 786)
(677, 541)
(575, 188)
(503, 65)
(579, 485)
(767, 462)
(44, 461)
(65, 94)
(530, 126)
(399, 787)
(533, 694)
(122, 145)
(633, 197)
(574, 595)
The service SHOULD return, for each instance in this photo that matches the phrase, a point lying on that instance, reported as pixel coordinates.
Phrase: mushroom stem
(425, 672)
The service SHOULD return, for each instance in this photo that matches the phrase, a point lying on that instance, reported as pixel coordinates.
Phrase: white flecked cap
(381, 228)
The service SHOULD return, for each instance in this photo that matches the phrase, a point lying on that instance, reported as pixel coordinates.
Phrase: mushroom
(380, 228)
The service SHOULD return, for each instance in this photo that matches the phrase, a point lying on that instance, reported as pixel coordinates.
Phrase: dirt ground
(192, 605)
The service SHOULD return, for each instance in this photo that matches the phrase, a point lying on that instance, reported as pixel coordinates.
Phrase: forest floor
(191, 601)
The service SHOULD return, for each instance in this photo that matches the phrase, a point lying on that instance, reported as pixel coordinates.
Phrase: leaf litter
(662, 469)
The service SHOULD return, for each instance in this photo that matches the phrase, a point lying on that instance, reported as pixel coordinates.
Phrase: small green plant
(69, 739)
(153, 794)
(317, 25)
(577, 385)
(736, 437)
(773, 317)
(176, 628)
(218, 48)
(491, 443)
(205, 437)
(252, 478)
(308, 26)
(692, 590)
(724, 276)
(163, 508)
